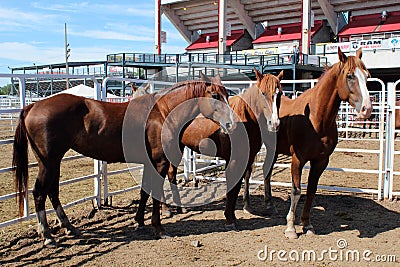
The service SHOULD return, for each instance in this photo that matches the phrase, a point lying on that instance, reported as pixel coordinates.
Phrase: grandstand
(233, 37)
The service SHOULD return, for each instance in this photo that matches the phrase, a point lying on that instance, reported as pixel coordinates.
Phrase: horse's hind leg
(246, 194)
(175, 193)
(316, 170)
(40, 195)
(54, 193)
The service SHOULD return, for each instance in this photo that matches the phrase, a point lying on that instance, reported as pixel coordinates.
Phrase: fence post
(194, 169)
(97, 181)
(389, 155)
(22, 103)
(186, 163)
(382, 150)
(98, 165)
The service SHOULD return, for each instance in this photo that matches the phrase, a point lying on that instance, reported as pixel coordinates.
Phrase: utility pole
(67, 54)
(157, 24)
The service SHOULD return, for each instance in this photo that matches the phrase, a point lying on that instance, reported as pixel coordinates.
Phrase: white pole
(306, 27)
(186, 163)
(222, 5)
(22, 103)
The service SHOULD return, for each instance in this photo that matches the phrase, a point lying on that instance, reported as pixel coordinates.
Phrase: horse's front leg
(233, 184)
(268, 167)
(157, 190)
(144, 196)
(317, 168)
(296, 169)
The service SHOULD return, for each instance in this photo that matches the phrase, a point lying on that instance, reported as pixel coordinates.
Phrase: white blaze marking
(275, 117)
(362, 81)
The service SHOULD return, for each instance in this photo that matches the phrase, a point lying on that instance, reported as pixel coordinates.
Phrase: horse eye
(350, 76)
(215, 96)
(264, 93)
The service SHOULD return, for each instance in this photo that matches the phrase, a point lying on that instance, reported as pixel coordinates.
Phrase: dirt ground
(352, 229)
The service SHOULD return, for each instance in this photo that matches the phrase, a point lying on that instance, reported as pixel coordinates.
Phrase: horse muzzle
(365, 112)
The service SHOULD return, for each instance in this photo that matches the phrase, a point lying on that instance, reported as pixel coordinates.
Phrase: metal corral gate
(384, 109)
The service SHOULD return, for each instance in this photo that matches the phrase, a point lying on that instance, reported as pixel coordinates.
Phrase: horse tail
(20, 159)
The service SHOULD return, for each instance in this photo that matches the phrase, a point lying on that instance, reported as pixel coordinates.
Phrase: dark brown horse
(135, 131)
(308, 130)
(256, 109)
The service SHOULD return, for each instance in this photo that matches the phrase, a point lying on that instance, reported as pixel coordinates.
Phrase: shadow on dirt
(112, 227)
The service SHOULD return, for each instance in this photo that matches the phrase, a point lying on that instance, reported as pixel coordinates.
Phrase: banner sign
(364, 44)
(260, 51)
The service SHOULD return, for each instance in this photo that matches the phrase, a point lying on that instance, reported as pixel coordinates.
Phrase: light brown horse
(141, 91)
(256, 109)
(112, 132)
(308, 130)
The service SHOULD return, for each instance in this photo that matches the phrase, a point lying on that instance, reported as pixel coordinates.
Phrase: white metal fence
(383, 132)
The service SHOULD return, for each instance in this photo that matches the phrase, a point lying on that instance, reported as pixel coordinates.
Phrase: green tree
(6, 90)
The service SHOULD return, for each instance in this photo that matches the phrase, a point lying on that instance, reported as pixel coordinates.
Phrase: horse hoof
(72, 231)
(291, 234)
(309, 230)
(230, 227)
(50, 243)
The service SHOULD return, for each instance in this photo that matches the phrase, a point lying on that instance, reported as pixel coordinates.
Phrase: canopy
(85, 91)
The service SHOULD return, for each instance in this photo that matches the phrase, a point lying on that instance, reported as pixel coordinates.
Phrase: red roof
(290, 32)
(371, 23)
(201, 42)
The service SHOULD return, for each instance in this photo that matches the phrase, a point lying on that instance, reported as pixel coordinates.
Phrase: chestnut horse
(136, 92)
(308, 130)
(112, 132)
(256, 108)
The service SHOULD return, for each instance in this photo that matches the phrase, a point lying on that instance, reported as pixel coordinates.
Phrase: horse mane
(195, 88)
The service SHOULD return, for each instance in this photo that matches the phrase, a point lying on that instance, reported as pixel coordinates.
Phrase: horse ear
(342, 56)
(216, 80)
(147, 87)
(133, 87)
(359, 53)
(280, 75)
(258, 74)
(204, 78)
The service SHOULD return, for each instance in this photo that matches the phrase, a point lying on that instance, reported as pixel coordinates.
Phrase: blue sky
(33, 31)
